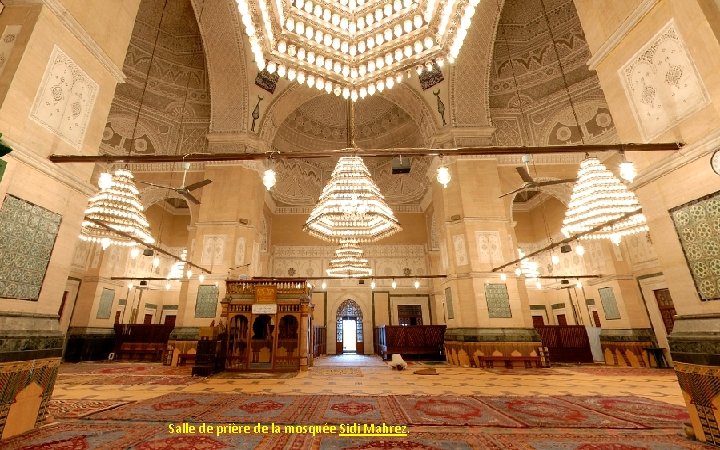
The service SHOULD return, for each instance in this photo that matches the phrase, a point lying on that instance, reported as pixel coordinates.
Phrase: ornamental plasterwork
(65, 99)
(662, 83)
(7, 43)
(328, 251)
(213, 250)
(488, 247)
(461, 257)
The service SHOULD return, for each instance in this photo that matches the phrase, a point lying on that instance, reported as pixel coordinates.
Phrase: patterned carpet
(335, 372)
(434, 422)
(74, 409)
(127, 379)
(119, 368)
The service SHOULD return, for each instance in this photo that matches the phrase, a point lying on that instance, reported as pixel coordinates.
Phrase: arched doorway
(349, 334)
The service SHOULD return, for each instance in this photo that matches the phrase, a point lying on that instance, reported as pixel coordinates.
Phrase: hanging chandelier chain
(562, 70)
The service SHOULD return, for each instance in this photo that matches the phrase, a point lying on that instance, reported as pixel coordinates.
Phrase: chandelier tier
(351, 207)
(118, 206)
(599, 197)
(349, 262)
(354, 47)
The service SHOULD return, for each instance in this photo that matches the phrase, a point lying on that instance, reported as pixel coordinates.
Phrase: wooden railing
(319, 341)
(296, 286)
(409, 340)
(146, 342)
(566, 343)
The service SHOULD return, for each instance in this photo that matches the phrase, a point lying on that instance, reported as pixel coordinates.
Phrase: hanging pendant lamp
(351, 207)
(349, 262)
(118, 206)
(599, 197)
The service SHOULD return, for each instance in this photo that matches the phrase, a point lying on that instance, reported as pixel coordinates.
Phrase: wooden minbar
(268, 325)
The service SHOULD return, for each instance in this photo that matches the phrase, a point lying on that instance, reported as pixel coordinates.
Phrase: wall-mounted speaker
(455, 217)
(243, 221)
(400, 165)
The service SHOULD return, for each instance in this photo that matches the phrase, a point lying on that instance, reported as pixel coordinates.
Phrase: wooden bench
(489, 361)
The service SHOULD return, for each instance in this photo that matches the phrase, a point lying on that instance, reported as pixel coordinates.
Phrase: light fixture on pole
(599, 197)
(416, 284)
(627, 169)
(579, 249)
(443, 173)
(373, 284)
(269, 176)
(393, 284)
(354, 48)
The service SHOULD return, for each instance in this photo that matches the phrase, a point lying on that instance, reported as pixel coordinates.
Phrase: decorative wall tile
(662, 83)
(434, 235)
(609, 303)
(7, 42)
(213, 249)
(698, 226)
(460, 251)
(106, 303)
(488, 246)
(27, 238)
(207, 299)
(498, 300)
(65, 99)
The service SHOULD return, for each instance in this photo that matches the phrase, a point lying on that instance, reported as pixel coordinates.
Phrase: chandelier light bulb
(443, 176)
(324, 285)
(156, 262)
(130, 285)
(578, 284)
(518, 271)
(105, 181)
(134, 253)
(189, 273)
(503, 276)
(580, 250)
(167, 286)
(105, 243)
(555, 260)
(393, 284)
(627, 171)
(373, 285)
(416, 284)
(538, 284)
(269, 179)
(201, 277)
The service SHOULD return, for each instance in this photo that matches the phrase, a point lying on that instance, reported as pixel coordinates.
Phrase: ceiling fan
(184, 190)
(529, 183)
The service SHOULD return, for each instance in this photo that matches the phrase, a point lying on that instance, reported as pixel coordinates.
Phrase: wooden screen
(568, 343)
(667, 308)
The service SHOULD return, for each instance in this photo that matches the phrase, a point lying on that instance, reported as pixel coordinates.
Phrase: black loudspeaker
(148, 252)
(565, 248)
(143, 282)
(400, 165)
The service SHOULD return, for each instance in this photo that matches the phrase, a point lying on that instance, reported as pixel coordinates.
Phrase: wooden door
(148, 319)
(596, 318)
(538, 321)
(562, 321)
(170, 320)
(667, 308)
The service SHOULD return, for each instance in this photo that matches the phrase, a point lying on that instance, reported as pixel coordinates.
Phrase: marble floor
(369, 375)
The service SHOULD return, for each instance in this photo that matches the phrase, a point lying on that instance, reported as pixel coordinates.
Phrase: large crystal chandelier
(354, 48)
(599, 197)
(351, 207)
(349, 262)
(118, 207)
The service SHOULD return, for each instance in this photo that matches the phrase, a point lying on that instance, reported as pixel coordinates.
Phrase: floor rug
(440, 439)
(238, 408)
(82, 435)
(73, 409)
(210, 440)
(646, 412)
(230, 375)
(335, 372)
(339, 409)
(610, 371)
(549, 412)
(447, 410)
(125, 380)
(175, 407)
(592, 439)
(124, 368)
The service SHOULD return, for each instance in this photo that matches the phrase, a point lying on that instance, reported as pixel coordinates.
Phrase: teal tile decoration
(697, 224)
(3, 164)
(448, 302)
(27, 238)
(498, 300)
(609, 303)
(207, 300)
(106, 303)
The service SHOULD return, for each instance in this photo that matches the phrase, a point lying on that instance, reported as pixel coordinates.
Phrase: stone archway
(349, 310)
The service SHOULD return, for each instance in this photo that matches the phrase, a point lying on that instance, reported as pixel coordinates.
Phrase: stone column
(478, 235)
(674, 190)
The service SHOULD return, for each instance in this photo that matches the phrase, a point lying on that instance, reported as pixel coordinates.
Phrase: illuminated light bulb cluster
(353, 48)
(351, 207)
(443, 176)
(269, 179)
(627, 171)
(118, 206)
(580, 250)
(530, 269)
(349, 262)
(597, 198)
(178, 267)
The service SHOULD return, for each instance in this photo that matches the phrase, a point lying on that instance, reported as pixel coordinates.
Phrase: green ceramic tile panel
(106, 303)
(27, 238)
(609, 303)
(698, 227)
(498, 300)
(207, 299)
(448, 301)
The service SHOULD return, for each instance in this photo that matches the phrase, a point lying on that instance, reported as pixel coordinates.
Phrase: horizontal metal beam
(457, 151)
